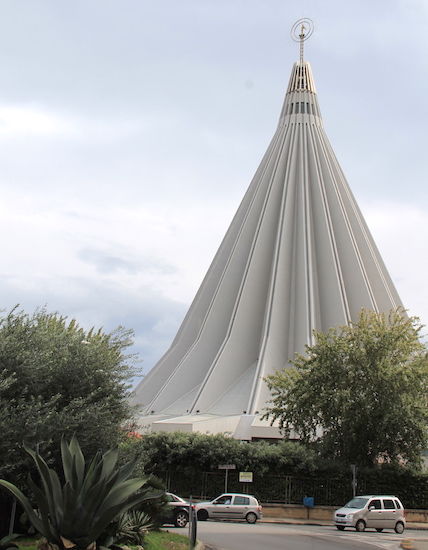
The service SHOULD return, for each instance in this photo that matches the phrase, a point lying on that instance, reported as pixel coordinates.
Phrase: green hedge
(283, 472)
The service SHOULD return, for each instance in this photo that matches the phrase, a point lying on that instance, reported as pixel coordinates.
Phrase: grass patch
(27, 543)
(163, 540)
(154, 540)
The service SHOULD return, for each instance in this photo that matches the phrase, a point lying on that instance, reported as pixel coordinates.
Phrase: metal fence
(291, 489)
(274, 489)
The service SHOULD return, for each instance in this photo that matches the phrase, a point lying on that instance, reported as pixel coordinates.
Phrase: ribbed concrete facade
(298, 256)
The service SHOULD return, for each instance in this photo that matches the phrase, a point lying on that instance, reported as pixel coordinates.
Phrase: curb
(315, 523)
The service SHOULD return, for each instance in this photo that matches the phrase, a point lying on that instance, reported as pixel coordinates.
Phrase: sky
(130, 130)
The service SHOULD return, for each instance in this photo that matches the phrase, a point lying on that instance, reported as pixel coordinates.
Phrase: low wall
(292, 511)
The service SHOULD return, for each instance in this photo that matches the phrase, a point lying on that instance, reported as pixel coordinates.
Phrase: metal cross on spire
(302, 39)
(300, 32)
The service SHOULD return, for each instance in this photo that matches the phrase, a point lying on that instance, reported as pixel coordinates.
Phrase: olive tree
(58, 380)
(359, 393)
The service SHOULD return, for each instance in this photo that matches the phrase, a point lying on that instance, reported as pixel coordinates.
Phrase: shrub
(76, 514)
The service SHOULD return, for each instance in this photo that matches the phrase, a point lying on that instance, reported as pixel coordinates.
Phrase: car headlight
(349, 516)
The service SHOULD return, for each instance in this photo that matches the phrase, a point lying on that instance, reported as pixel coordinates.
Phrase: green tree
(359, 393)
(58, 380)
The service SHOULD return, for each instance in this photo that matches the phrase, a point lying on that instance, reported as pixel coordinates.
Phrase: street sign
(246, 477)
(226, 467)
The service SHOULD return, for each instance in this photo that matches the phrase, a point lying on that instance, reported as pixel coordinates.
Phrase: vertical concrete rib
(260, 371)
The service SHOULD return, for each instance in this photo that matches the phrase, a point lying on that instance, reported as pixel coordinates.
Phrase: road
(271, 536)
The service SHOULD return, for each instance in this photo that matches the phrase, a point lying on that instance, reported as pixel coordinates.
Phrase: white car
(377, 511)
(230, 506)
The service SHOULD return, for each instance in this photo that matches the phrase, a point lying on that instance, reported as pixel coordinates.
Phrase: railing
(291, 489)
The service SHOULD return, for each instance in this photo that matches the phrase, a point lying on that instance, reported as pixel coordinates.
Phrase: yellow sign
(245, 477)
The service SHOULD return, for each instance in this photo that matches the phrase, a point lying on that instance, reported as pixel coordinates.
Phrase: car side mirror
(371, 508)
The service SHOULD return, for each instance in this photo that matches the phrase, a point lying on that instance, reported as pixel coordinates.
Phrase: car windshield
(357, 503)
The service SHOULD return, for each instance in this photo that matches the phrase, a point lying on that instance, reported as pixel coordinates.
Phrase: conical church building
(297, 256)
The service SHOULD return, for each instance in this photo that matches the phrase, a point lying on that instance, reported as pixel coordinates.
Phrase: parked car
(377, 511)
(230, 506)
(176, 511)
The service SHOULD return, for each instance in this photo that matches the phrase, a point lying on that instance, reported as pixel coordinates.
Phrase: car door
(239, 507)
(374, 513)
(390, 513)
(220, 507)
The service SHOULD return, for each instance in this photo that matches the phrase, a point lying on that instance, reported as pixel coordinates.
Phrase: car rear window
(242, 501)
(388, 504)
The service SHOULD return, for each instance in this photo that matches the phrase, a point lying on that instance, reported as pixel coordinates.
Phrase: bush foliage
(58, 380)
(189, 452)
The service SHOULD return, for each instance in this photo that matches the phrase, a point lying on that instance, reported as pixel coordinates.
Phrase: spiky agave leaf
(78, 460)
(52, 488)
(45, 478)
(26, 504)
(43, 507)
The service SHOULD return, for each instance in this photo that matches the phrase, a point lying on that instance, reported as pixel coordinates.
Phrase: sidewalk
(293, 521)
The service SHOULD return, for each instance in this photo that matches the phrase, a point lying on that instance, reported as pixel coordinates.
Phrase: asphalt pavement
(408, 543)
(319, 522)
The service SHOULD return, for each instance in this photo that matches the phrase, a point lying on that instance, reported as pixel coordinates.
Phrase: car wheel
(202, 515)
(399, 527)
(340, 527)
(379, 529)
(251, 517)
(181, 519)
(360, 525)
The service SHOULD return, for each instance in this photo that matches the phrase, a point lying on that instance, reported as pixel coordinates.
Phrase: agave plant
(133, 526)
(6, 542)
(129, 528)
(75, 514)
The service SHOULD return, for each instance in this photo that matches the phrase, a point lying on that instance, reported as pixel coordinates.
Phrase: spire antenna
(301, 31)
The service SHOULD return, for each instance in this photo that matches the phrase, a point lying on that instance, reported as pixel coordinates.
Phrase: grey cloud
(105, 262)
(154, 318)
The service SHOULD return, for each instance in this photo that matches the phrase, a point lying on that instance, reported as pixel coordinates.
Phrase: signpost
(354, 479)
(192, 525)
(226, 467)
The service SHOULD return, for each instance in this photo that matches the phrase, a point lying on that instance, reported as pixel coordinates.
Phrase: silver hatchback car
(230, 506)
(377, 511)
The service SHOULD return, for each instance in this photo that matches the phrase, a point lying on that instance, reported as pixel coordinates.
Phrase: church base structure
(245, 427)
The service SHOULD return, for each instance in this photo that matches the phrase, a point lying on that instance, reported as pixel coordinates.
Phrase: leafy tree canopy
(359, 393)
(56, 379)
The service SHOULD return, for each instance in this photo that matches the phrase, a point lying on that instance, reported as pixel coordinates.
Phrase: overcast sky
(130, 130)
